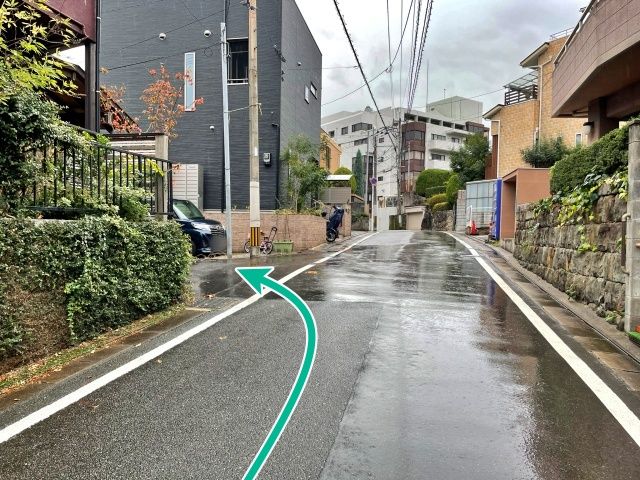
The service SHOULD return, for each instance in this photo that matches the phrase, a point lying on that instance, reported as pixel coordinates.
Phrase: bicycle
(266, 246)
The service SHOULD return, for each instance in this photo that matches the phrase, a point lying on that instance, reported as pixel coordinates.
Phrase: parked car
(208, 237)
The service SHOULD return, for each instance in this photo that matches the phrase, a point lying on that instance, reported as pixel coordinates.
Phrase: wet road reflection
(457, 383)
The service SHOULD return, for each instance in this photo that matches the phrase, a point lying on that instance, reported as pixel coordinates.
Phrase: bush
(431, 191)
(608, 155)
(350, 183)
(440, 207)
(453, 185)
(439, 198)
(93, 274)
(430, 178)
(545, 153)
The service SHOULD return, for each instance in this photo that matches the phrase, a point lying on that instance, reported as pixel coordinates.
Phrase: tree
(452, 187)
(431, 181)
(469, 161)
(26, 64)
(306, 177)
(545, 153)
(111, 99)
(358, 173)
(349, 183)
(162, 100)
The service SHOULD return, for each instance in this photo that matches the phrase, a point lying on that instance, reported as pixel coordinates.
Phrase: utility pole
(225, 126)
(254, 160)
(366, 175)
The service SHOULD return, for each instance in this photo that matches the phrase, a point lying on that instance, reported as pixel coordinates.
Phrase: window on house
(314, 90)
(578, 139)
(360, 141)
(435, 122)
(414, 135)
(306, 93)
(447, 124)
(435, 136)
(344, 131)
(455, 139)
(238, 60)
(437, 156)
(189, 81)
(332, 133)
(380, 179)
(381, 140)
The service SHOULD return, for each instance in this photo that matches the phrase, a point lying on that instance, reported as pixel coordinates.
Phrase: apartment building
(429, 137)
(143, 35)
(526, 114)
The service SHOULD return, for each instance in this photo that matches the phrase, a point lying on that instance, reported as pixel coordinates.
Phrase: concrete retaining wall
(552, 252)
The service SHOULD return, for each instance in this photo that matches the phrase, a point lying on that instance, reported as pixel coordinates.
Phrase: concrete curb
(619, 339)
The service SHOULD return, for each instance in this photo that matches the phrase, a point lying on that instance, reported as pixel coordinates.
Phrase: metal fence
(81, 178)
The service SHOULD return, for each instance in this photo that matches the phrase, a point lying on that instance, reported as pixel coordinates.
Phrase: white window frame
(578, 139)
(189, 82)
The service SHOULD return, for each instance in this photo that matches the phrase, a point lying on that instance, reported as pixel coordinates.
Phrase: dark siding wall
(126, 22)
(298, 45)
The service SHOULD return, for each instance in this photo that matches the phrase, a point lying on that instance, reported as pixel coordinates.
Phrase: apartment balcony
(597, 73)
(443, 146)
(522, 89)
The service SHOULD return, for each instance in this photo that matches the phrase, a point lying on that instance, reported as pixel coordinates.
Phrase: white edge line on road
(621, 412)
(43, 413)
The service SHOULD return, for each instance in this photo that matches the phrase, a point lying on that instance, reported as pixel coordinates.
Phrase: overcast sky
(473, 46)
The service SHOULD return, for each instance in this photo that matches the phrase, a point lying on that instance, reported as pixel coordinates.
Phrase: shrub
(439, 198)
(99, 272)
(430, 178)
(545, 153)
(350, 183)
(431, 191)
(440, 207)
(608, 155)
(453, 185)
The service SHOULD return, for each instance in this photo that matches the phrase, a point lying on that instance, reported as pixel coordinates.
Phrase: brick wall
(552, 252)
(306, 231)
(515, 132)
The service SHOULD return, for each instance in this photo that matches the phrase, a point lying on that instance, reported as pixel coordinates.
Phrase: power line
(422, 45)
(387, 69)
(355, 54)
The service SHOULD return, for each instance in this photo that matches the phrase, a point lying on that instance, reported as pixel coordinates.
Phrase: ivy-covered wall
(62, 282)
(575, 244)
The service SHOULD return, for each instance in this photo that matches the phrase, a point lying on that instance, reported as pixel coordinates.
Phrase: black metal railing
(86, 177)
(512, 96)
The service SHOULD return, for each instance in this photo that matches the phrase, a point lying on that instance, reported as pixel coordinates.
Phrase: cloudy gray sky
(473, 46)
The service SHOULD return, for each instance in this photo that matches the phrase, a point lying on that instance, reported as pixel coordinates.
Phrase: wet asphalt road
(425, 370)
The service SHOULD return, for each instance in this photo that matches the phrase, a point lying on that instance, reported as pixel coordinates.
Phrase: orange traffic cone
(474, 229)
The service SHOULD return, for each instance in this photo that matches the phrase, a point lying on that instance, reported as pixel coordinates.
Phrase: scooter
(334, 222)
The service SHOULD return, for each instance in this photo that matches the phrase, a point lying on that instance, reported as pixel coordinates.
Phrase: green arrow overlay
(259, 280)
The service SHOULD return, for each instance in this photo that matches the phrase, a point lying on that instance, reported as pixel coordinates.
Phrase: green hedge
(430, 178)
(607, 155)
(453, 185)
(431, 191)
(88, 275)
(439, 198)
(440, 207)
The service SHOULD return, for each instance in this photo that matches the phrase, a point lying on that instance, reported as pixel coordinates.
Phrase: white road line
(45, 412)
(621, 412)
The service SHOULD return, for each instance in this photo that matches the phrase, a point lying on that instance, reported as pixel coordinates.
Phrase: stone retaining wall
(444, 221)
(552, 252)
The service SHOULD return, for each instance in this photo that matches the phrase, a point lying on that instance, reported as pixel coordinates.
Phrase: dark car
(207, 236)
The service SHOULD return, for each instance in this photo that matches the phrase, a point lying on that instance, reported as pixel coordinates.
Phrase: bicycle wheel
(266, 248)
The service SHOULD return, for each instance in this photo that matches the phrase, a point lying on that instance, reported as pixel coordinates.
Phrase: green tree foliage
(469, 161)
(352, 181)
(432, 181)
(306, 178)
(608, 155)
(26, 63)
(545, 153)
(27, 123)
(453, 185)
(439, 198)
(358, 173)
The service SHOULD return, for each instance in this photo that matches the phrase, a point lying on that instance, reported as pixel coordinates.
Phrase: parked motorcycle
(334, 222)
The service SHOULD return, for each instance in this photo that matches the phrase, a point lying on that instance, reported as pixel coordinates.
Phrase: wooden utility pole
(254, 158)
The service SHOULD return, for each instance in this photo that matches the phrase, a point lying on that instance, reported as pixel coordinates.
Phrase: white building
(428, 139)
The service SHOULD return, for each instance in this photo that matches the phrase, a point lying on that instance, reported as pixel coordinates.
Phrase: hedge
(453, 185)
(607, 155)
(430, 178)
(62, 282)
(440, 207)
(439, 198)
(431, 191)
